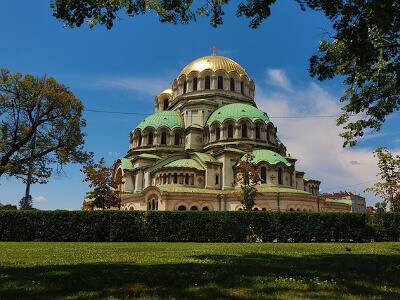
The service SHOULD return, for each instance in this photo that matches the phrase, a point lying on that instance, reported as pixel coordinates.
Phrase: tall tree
(105, 194)
(43, 110)
(249, 179)
(363, 48)
(389, 186)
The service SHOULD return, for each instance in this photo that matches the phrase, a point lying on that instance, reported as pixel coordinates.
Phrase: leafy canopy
(389, 186)
(363, 47)
(29, 104)
(105, 193)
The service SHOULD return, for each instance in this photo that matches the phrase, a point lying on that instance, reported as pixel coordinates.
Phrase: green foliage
(29, 104)
(8, 207)
(249, 179)
(105, 193)
(200, 226)
(389, 188)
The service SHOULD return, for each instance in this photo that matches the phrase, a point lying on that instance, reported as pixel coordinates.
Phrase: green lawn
(36, 270)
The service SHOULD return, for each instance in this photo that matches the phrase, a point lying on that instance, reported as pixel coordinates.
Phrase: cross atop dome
(214, 50)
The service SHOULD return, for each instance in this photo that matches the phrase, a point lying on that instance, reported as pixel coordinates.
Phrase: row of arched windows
(245, 132)
(163, 140)
(194, 207)
(207, 85)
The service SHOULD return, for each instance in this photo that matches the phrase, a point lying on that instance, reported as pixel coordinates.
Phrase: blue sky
(123, 69)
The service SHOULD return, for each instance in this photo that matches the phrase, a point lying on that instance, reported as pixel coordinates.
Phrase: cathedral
(185, 156)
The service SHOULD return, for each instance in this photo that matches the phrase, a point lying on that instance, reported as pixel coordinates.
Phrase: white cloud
(112, 153)
(277, 77)
(40, 199)
(149, 86)
(315, 141)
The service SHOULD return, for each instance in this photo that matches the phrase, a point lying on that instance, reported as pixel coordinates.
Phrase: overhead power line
(346, 186)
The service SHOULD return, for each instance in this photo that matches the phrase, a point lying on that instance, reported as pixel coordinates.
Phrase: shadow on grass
(212, 277)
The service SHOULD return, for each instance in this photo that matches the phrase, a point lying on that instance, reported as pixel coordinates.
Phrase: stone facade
(185, 156)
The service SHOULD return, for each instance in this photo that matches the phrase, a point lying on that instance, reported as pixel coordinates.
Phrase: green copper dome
(185, 163)
(268, 156)
(236, 111)
(170, 119)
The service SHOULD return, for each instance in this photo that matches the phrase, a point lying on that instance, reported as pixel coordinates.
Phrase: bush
(197, 226)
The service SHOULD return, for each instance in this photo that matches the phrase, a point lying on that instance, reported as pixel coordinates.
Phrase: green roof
(147, 155)
(204, 157)
(348, 202)
(170, 119)
(185, 163)
(268, 156)
(126, 164)
(278, 141)
(260, 189)
(236, 111)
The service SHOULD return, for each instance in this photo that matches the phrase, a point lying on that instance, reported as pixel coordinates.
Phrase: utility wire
(341, 187)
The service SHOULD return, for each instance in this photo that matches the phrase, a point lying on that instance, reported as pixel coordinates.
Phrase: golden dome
(213, 63)
(166, 91)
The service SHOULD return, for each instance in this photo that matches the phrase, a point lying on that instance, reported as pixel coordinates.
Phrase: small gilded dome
(213, 63)
(236, 111)
(170, 119)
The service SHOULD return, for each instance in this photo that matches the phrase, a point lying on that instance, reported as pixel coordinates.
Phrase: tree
(249, 179)
(389, 188)
(105, 194)
(40, 124)
(8, 207)
(364, 47)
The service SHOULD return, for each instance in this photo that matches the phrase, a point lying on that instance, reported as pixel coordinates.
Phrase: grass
(35, 270)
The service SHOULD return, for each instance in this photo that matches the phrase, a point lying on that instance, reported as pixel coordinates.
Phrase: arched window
(175, 178)
(220, 83)
(280, 176)
(230, 131)
(195, 84)
(153, 204)
(242, 87)
(232, 85)
(184, 87)
(187, 179)
(263, 175)
(150, 140)
(255, 209)
(216, 179)
(177, 138)
(165, 104)
(264, 209)
(194, 208)
(268, 137)
(244, 131)
(205, 208)
(207, 83)
(258, 135)
(163, 138)
(217, 133)
(164, 178)
(182, 207)
(140, 139)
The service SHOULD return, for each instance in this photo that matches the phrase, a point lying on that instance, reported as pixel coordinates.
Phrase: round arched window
(182, 207)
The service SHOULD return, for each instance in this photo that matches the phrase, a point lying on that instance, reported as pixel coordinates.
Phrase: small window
(165, 104)
(220, 83)
(244, 131)
(217, 133)
(205, 208)
(242, 87)
(216, 179)
(255, 209)
(207, 83)
(230, 131)
(268, 137)
(263, 175)
(151, 137)
(195, 84)
(194, 208)
(258, 136)
(164, 178)
(184, 87)
(140, 140)
(182, 207)
(163, 138)
(187, 179)
(232, 85)
(280, 176)
(177, 139)
(175, 178)
(264, 209)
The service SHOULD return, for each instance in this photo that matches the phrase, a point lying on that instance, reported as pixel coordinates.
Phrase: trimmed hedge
(197, 226)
